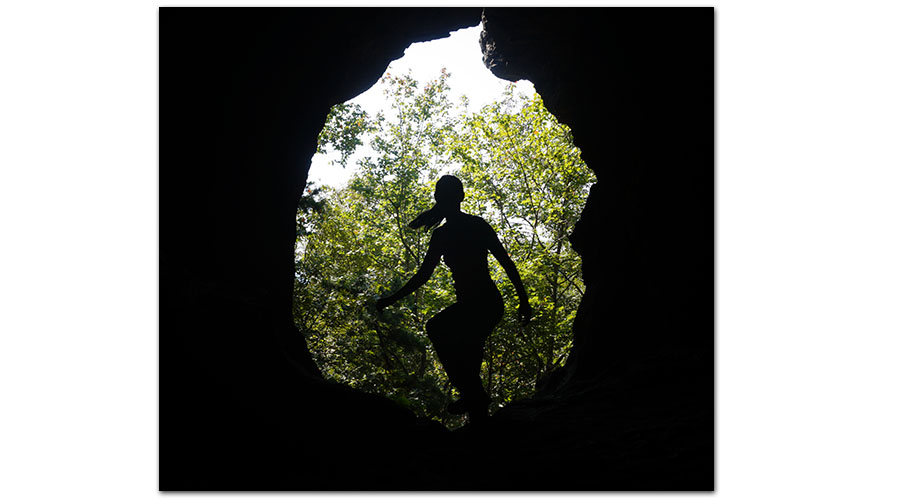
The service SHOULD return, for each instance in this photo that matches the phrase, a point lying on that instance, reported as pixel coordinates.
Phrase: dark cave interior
(242, 405)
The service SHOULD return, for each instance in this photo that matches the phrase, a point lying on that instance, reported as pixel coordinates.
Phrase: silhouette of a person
(460, 331)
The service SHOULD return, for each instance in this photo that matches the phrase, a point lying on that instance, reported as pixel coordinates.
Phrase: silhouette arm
(499, 253)
(432, 257)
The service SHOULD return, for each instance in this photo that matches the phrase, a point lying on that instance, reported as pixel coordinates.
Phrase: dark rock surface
(243, 95)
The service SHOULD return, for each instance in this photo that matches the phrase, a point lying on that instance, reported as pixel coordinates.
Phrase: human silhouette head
(448, 191)
(448, 194)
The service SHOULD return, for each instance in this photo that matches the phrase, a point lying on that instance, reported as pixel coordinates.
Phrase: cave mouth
(436, 111)
(241, 408)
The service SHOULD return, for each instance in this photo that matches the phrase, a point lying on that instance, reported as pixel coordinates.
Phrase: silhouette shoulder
(478, 220)
(483, 224)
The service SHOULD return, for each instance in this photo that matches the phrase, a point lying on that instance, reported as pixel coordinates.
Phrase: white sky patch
(460, 53)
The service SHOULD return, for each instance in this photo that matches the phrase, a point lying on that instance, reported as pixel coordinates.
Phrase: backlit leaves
(521, 172)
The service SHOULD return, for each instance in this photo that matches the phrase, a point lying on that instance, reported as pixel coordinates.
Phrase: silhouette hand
(524, 312)
(381, 303)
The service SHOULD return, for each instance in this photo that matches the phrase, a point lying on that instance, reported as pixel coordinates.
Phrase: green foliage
(312, 203)
(522, 174)
(344, 127)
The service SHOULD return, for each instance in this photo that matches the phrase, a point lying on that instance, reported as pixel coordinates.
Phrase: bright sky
(460, 54)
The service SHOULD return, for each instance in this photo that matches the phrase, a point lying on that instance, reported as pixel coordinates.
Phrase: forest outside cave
(522, 173)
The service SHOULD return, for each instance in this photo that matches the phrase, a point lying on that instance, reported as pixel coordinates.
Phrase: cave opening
(437, 110)
(242, 101)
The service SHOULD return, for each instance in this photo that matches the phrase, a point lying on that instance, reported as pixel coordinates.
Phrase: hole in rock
(435, 111)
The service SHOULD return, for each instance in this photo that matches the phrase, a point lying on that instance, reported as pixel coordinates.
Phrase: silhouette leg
(471, 388)
(460, 353)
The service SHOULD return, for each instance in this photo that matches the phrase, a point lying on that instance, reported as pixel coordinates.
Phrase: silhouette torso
(463, 242)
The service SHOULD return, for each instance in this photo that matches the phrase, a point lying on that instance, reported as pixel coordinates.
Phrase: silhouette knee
(435, 330)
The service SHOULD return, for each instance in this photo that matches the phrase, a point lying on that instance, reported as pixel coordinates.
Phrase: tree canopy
(522, 174)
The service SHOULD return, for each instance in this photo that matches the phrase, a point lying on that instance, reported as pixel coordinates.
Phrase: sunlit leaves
(343, 131)
(522, 173)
